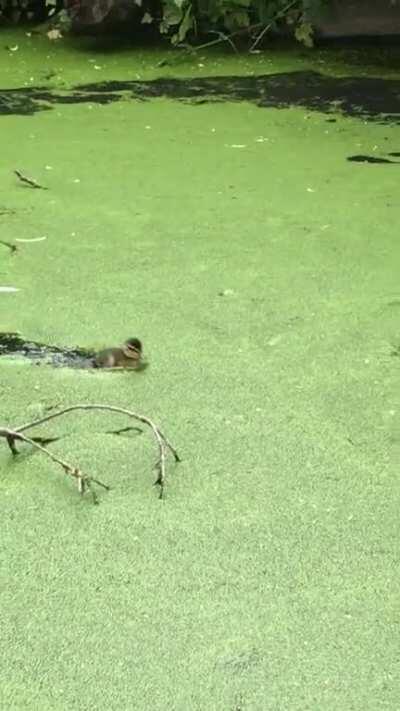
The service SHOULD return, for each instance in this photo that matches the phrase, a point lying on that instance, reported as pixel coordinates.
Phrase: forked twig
(225, 38)
(222, 37)
(85, 481)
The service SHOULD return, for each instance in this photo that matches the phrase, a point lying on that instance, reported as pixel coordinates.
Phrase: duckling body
(127, 356)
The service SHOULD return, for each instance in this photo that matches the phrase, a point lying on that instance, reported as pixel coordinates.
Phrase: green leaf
(186, 24)
(304, 33)
(147, 19)
(172, 16)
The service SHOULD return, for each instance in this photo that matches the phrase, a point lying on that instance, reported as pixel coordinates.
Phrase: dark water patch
(27, 102)
(87, 98)
(395, 154)
(14, 344)
(372, 99)
(371, 159)
(363, 97)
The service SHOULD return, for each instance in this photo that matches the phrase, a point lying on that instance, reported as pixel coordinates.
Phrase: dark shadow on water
(371, 99)
(372, 159)
(27, 102)
(14, 344)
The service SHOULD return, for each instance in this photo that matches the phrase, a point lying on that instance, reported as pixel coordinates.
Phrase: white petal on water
(34, 239)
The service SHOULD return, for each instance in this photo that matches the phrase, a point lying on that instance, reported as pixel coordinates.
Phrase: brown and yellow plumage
(127, 356)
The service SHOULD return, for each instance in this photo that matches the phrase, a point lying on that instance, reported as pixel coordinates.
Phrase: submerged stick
(85, 481)
(29, 181)
(12, 247)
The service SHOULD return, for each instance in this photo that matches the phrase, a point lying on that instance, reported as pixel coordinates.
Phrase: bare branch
(85, 481)
(222, 37)
(29, 181)
(279, 14)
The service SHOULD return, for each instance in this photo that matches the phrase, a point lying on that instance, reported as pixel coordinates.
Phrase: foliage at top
(184, 19)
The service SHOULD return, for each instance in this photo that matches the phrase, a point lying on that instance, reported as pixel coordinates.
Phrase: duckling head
(134, 345)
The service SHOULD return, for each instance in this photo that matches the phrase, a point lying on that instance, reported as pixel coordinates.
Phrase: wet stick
(12, 247)
(86, 481)
(29, 181)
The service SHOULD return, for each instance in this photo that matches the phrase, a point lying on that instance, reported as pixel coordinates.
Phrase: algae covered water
(214, 209)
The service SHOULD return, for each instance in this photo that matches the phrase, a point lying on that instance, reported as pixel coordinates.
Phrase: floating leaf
(34, 239)
(186, 24)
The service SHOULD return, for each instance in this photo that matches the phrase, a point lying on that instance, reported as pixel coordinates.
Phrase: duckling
(127, 356)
